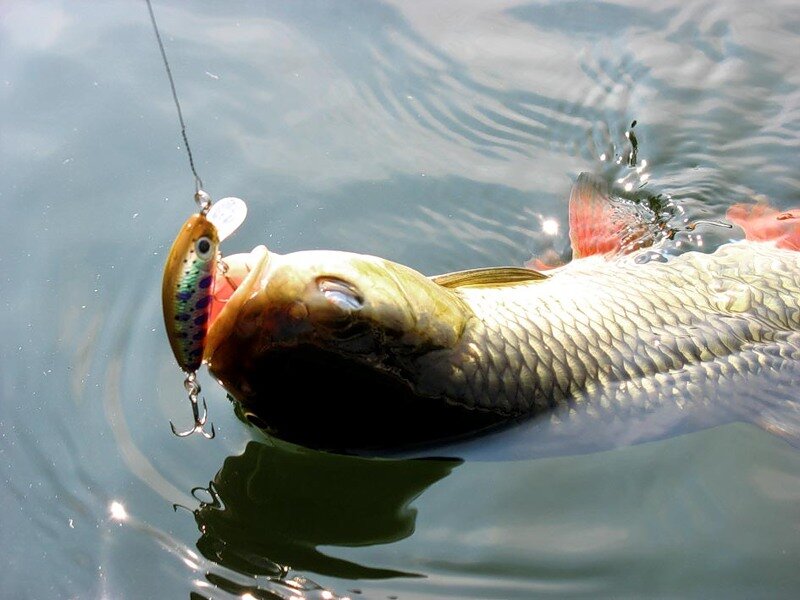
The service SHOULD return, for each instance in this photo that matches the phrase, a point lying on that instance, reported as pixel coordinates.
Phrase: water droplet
(649, 256)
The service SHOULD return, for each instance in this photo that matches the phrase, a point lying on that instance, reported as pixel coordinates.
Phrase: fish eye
(204, 248)
(340, 293)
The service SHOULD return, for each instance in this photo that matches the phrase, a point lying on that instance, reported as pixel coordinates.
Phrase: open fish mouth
(233, 279)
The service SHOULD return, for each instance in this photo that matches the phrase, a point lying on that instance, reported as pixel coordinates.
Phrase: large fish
(347, 351)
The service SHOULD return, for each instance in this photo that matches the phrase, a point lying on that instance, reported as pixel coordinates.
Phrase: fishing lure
(187, 290)
(192, 265)
(187, 287)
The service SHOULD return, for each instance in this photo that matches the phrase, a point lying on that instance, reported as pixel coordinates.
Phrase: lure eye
(204, 248)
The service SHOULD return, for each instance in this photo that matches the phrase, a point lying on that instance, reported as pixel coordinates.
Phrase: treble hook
(216, 502)
(191, 385)
(211, 490)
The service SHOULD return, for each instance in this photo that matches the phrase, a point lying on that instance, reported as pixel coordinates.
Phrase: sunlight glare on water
(118, 512)
(443, 136)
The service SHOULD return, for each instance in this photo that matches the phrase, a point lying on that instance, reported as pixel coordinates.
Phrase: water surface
(441, 135)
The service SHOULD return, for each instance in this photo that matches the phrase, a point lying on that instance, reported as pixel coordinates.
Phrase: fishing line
(185, 298)
(198, 183)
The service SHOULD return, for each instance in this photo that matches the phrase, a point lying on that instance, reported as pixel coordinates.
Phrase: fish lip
(255, 262)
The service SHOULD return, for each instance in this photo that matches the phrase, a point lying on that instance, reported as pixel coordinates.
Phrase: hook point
(181, 433)
(207, 435)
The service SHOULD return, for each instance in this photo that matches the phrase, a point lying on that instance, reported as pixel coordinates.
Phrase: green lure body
(187, 289)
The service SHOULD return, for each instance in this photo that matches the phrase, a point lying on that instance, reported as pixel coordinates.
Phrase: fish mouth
(231, 286)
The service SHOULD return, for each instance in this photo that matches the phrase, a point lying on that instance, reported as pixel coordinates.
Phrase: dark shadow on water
(272, 506)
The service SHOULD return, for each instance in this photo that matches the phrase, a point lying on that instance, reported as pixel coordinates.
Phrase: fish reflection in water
(275, 504)
(271, 507)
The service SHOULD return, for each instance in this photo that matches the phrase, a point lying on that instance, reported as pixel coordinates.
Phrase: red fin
(762, 223)
(599, 225)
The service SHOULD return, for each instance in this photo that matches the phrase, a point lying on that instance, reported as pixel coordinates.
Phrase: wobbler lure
(185, 298)
(187, 288)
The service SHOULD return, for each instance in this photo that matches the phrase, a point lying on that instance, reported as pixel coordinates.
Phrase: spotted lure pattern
(187, 289)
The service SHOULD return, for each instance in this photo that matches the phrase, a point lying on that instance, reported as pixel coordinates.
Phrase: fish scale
(694, 336)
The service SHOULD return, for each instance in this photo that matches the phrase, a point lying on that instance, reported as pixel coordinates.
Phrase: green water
(437, 134)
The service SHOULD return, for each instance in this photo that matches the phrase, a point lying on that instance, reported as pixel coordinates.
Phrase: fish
(351, 352)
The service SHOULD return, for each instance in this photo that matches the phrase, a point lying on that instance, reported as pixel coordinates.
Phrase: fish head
(340, 302)
(322, 348)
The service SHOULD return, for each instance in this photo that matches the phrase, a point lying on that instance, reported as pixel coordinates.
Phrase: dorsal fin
(599, 224)
(762, 223)
(488, 276)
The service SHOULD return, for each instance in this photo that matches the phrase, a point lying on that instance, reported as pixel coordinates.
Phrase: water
(441, 135)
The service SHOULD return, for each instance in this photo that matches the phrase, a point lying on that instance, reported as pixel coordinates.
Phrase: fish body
(624, 331)
(375, 354)
(597, 338)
